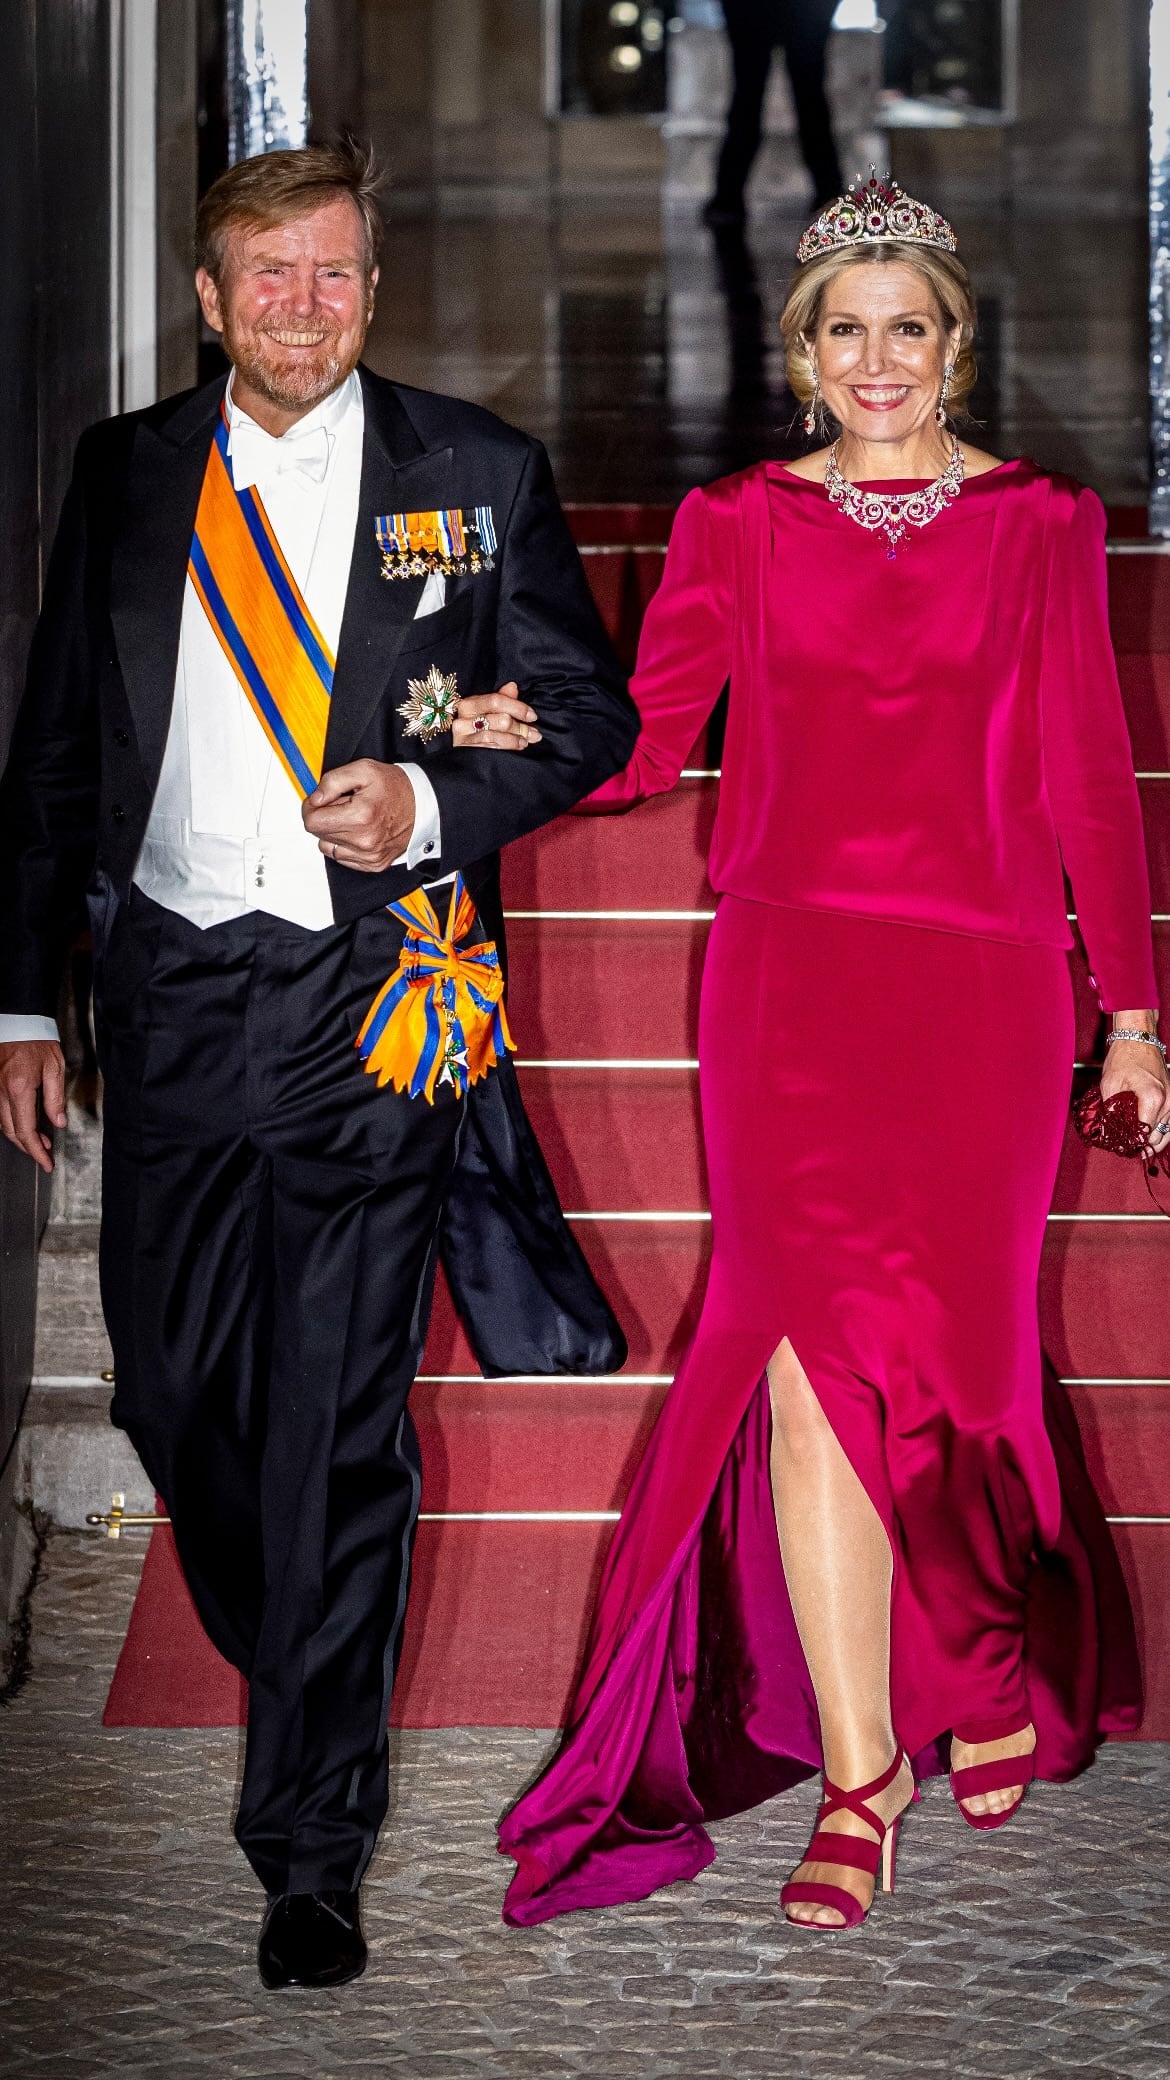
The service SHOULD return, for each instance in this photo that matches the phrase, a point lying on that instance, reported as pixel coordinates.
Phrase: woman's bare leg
(839, 1572)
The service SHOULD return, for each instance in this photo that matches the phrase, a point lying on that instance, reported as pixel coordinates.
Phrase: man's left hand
(362, 815)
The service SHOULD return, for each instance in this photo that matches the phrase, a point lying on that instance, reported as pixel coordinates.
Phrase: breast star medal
(432, 705)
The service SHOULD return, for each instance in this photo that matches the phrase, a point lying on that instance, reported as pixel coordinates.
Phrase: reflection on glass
(613, 56)
(945, 52)
(942, 58)
(267, 85)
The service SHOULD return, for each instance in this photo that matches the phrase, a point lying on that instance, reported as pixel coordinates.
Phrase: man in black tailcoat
(272, 1213)
(755, 29)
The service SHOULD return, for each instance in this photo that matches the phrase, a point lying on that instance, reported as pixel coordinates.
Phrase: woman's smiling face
(880, 350)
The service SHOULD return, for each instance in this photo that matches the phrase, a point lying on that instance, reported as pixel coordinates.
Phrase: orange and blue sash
(440, 1017)
(257, 611)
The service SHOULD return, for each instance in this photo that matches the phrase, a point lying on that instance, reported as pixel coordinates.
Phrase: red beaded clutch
(1116, 1125)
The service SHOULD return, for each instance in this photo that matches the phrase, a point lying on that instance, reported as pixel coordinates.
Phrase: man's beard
(293, 380)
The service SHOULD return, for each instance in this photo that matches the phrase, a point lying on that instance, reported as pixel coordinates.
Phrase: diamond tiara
(871, 212)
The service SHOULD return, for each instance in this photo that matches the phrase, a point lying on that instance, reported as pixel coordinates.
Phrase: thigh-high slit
(883, 1107)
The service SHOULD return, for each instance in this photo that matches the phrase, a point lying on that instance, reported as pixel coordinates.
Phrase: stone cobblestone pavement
(128, 1919)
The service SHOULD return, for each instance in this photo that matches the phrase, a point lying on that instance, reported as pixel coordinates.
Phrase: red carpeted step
(649, 565)
(497, 1623)
(632, 1141)
(609, 582)
(1128, 523)
(1145, 689)
(1139, 602)
(1144, 1550)
(653, 1274)
(1125, 1433)
(652, 858)
(605, 990)
(495, 1630)
(622, 580)
(620, 1140)
(580, 989)
(1103, 1298)
(655, 856)
(1089, 1181)
(531, 1444)
(1155, 796)
(168, 1672)
(574, 1445)
(611, 524)
(1102, 1295)
(447, 1349)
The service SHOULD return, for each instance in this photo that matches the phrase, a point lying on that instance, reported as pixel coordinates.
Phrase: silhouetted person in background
(755, 29)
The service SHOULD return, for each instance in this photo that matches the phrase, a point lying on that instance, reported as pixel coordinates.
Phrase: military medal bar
(455, 542)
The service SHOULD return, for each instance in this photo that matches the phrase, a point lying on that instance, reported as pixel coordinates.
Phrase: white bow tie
(257, 456)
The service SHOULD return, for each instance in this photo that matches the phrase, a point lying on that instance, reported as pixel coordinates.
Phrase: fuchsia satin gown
(913, 749)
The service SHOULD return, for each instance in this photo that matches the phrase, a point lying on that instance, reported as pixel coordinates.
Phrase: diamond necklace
(892, 512)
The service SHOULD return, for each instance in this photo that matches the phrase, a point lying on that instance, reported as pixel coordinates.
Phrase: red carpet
(499, 1602)
(493, 1635)
(497, 1608)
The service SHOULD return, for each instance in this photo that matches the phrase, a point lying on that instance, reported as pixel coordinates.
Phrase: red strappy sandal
(854, 1852)
(979, 1777)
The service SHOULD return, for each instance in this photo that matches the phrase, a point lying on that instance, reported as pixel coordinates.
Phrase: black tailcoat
(89, 740)
(270, 1219)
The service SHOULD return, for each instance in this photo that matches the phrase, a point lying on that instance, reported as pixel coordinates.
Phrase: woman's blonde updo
(947, 277)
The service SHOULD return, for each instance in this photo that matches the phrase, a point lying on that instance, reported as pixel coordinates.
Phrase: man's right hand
(28, 1067)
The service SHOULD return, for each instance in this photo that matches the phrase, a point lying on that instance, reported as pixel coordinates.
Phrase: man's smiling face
(293, 303)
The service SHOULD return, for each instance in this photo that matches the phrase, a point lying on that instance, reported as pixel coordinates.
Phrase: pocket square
(432, 597)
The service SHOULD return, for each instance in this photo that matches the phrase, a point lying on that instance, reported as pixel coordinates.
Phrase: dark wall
(55, 310)
(335, 68)
(55, 357)
(19, 519)
(178, 142)
(19, 566)
(73, 184)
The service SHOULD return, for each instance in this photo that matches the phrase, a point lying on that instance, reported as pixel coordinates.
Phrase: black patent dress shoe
(311, 1939)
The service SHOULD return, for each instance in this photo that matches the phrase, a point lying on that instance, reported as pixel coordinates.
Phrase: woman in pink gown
(854, 1543)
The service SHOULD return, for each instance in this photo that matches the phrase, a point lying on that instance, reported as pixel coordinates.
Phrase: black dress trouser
(754, 29)
(269, 1224)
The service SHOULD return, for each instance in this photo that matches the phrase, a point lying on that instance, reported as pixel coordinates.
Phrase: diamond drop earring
(810, 417)
(940, 410)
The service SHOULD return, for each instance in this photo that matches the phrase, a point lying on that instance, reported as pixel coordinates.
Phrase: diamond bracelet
(1133, 1033)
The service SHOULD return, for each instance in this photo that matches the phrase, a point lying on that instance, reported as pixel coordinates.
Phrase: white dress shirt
(225, 835)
